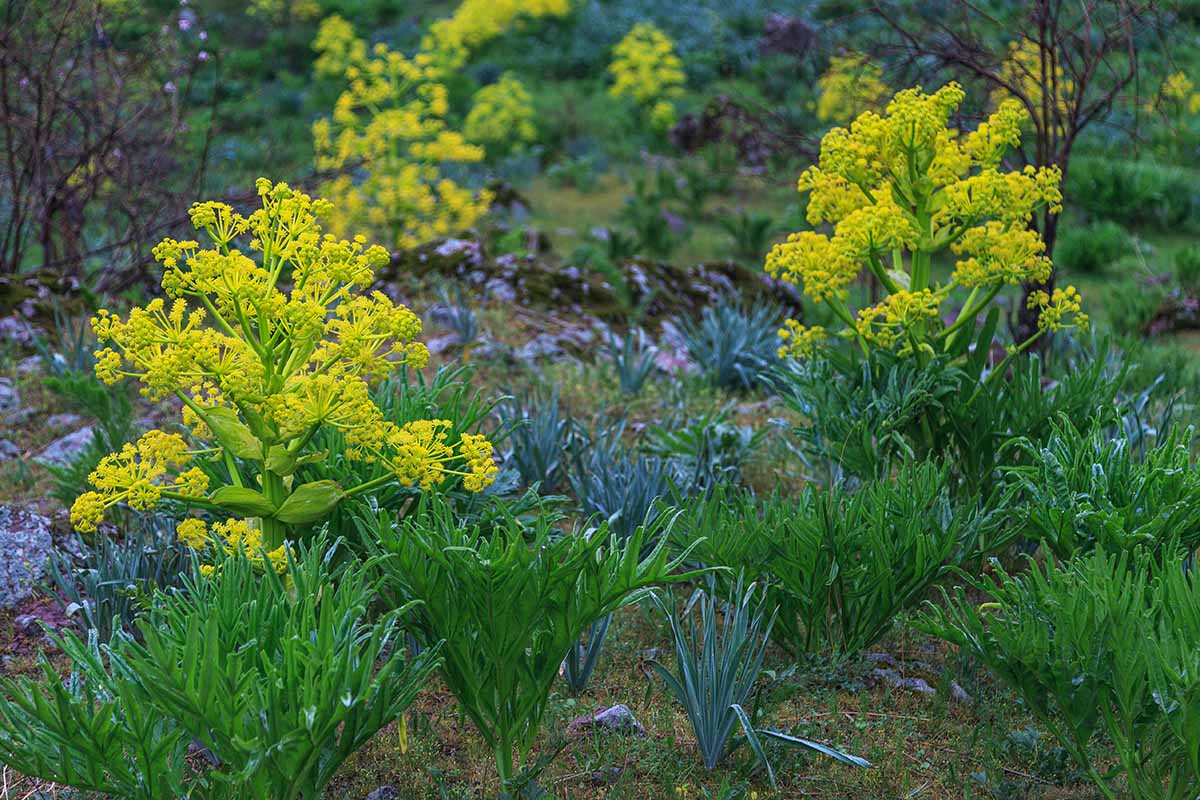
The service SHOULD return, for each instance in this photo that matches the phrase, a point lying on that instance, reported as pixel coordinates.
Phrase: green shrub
(509, 604)
(633, 359)
(860, 419)
(1108, 644)
(1187, 269)
(1094, 490)
(839, 565)
(1091, 248)
(115, 579)
(281, 681)
(1133, 193)
(735, 346)
(708, 449)
(716, 668)
(1139, 303)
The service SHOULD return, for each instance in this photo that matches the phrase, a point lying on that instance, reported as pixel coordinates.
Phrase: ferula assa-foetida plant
(390, 123)
(266, 342)
(646, 69)
(898, 189)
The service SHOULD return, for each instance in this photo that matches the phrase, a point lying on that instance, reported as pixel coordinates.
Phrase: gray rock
(958, 694)
(617, 719)
(384, 792)
(16, 331)
(544, 344)
(29, 365)
(63, 420)
(895, 680)
(10, 398)
(25, 542)
(8, 450)
(62, 451)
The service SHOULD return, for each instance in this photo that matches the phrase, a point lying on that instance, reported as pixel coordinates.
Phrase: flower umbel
(266, 339)
(899, 187)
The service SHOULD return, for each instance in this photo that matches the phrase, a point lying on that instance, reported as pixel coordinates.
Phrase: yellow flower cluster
(234, 536)
(901, 313)
(476, 22)
(139, 475)
(390, 124)
(851, 85)
(1032, 75)
(502, 113)
(264, 346)
(1060, 309)
(900, 186)
(1178, 93)
(799, 341)
(646, 69)
(278, 11)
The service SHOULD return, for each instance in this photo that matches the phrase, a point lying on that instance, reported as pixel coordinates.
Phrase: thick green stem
(273, 530)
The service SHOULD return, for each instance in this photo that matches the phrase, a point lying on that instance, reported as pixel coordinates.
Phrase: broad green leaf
(309, 503)
(233, 434)
(280, 461)
(242, 501)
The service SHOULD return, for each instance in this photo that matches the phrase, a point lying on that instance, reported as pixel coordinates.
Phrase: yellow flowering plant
(476, 22)
(900, 188)
(267, 337)
(390, 123)
(851, 85)
(501, 115)
(646, 69)
(1040, 80)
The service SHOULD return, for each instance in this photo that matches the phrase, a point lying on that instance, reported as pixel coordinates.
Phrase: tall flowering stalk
(897, 190)
(646, 69)
(265, 342)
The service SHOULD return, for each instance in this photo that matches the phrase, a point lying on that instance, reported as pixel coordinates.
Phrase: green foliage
(1140, 302)
(1085, 491)
(1108, 644)
(461, 317)
(510, 604)
(716, 668)
(1187, 269)
(621, 489)
(581, 660)
(280, 681)
(841, 566)
(861, 418)
(541, 433)
(633, 358)
(1133, 193)
(708, 450)
(714, 673)
(115, 579)
(1092, 248)
(735, 346)
(751, 234)
(92, 731)
(647, 211)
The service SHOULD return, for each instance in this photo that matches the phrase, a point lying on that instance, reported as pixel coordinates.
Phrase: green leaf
(838, 755)
(233, 434)
(309, 503)
(258, 425)
(752, 740)
(312, 458)
(281, 461)
(243, 501)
